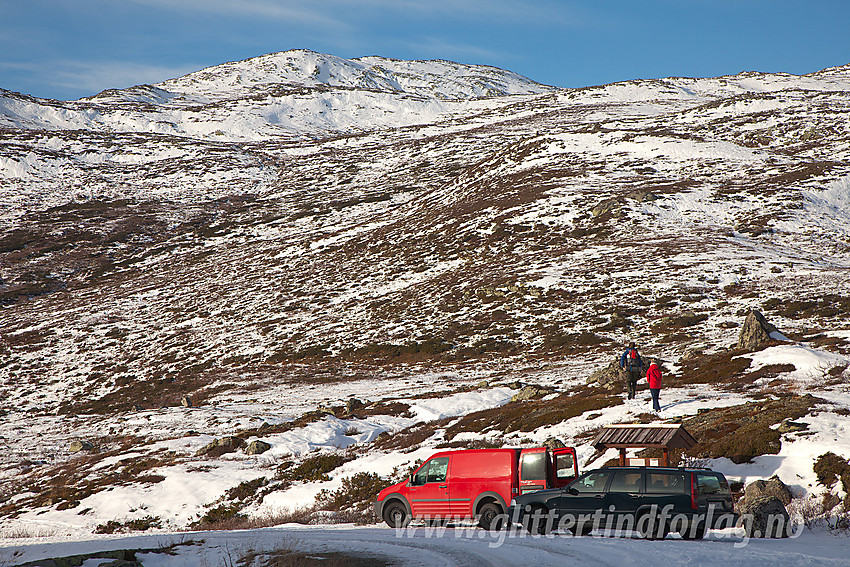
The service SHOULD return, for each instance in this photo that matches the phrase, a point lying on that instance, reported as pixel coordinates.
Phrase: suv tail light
(694, 503)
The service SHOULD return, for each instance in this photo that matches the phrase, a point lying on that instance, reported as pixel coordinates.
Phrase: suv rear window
(666, 483)
(710, 484)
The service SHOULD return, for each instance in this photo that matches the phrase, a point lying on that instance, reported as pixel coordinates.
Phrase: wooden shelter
(664, 436)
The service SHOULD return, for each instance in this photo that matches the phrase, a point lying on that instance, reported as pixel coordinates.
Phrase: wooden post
(622, 456)
(666, 459)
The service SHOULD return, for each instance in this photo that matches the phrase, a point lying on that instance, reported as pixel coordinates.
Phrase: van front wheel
(395, 515)
(491, 517)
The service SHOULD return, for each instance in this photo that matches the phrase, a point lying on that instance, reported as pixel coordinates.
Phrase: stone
(765, 517)
(77, 445)
(186, 402)
(605, 206)
(352, 405)
(326, 409)
(765, 488)
(789, 426)
(553, 443)
(221, 446)
(257, 447)
(528, 393)
(755, 331)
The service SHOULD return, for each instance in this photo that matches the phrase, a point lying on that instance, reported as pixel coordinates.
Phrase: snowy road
(455, 547)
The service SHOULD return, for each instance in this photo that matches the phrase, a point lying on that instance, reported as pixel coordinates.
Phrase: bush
(316, 467)
(829, 468)
(356, 495)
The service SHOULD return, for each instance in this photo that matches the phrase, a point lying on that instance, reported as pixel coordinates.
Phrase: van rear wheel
(491, 517)
(395, 515)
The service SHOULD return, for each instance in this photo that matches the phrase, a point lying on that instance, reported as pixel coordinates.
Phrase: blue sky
(67, 49)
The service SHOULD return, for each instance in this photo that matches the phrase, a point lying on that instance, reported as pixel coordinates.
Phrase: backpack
(634, 359)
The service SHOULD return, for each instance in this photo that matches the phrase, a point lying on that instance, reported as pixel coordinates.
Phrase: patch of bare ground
(727, 369)
(66, 484)
(743, 432)
(530, 415)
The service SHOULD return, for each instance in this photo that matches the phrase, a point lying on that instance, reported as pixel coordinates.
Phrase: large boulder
(764, 488)
(607, 376)
(756, 331)
(765, 517)
(553, 443)
(257, 447)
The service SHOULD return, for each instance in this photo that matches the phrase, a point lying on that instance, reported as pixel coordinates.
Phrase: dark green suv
(651, 501)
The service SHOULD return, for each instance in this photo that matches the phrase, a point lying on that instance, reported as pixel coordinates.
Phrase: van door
(533, 467)
(565, 467)
(429, 489)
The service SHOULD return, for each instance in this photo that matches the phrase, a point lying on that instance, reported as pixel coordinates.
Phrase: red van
(474, 483)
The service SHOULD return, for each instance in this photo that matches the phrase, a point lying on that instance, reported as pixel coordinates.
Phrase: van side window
(438, 471)
(627, 481)
(592, 482)
(533, 466)
(564, 466)
(666, 483)
(421, 475)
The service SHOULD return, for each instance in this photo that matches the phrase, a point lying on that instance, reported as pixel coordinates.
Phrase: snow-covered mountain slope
(275, 235)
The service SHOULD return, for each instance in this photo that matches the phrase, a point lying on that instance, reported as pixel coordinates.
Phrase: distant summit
(278, 72)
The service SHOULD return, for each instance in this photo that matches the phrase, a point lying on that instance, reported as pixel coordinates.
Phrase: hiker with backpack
(631, 367)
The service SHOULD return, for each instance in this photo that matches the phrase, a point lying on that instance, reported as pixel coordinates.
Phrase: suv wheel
(395, 515)
(537, 520)
(650, 527)
(694, 531)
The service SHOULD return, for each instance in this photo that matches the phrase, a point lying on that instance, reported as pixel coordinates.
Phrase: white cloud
(431, 47)
(283, 10)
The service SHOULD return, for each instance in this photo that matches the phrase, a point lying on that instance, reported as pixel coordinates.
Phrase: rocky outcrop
(756, 331)
(607, 376)
(553, 443)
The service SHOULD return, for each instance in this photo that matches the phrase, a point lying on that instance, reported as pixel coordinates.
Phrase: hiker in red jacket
(653, 376)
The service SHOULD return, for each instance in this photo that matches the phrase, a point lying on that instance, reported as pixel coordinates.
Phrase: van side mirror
(572, 491)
